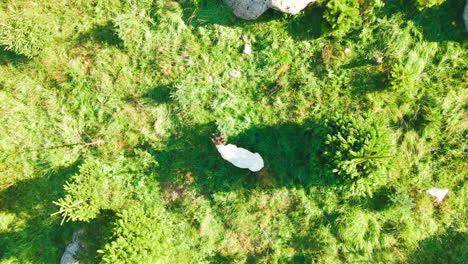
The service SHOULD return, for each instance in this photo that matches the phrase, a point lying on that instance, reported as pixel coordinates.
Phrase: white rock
(347, 51)
(247, 49)
(290, 6)
(378, 59)
(251, 9)
(437, 193)
(241, 157)
(68, 256)
(234, 73)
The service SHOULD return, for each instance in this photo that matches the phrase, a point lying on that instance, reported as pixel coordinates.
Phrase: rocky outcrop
(251, 9)
(465, 15)
(68, 256)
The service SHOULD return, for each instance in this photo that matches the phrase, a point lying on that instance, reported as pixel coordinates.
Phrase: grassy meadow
(107, 108)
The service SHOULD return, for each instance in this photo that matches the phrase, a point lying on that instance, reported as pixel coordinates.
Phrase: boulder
(290, 6)
(465, 15)
(68, 256)
(251, 9)
(248, 9)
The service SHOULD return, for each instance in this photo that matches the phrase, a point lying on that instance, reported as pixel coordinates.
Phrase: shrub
(422, 4)
(342, 15)
(141, 236)
(24, 33)
(356, 153)
(402, 200)
(105, 183)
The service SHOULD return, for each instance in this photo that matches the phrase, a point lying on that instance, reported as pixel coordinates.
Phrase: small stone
(439, 194)
(378, 59)
(247, 49)
(234, 74)
(347, 51)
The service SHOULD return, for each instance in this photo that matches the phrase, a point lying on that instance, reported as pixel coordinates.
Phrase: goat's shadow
(450, 247)
(438, 23)
(284, 148)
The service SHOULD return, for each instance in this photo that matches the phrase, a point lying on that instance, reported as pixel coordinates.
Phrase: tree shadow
(367, 81)
(438, 23)
(103, 34)
(451, 247)
(418, 119)
(160, 94)
(308, 25)
(32, 200)
(191, 157)
(10, 57)
(98, 232)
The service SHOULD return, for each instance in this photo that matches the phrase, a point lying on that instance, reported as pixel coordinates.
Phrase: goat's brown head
(218, 140)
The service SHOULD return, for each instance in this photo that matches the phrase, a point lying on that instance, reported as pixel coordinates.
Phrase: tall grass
(107, 108)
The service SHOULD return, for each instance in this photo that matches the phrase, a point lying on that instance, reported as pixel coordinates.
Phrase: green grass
(107, 107)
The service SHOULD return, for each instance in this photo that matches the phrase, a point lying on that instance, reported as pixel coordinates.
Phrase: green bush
(24, 33)
(422, 4)
(342, 15)
(101, 184)
(357, 153)
(141, 236)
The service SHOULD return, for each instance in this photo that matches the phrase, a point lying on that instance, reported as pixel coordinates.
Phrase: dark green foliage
(141, 236)
(342, 15)
(357, 153)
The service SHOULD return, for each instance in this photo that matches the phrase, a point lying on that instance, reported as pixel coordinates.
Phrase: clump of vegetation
(357, 153)
(25, 32)
(102, 185)
(422, 4)
(361, 230)
(342, 15)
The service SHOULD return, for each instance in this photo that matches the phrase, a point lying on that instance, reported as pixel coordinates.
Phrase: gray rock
(465, 15)
(68, 256)
(251, 9)
(248, 9)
